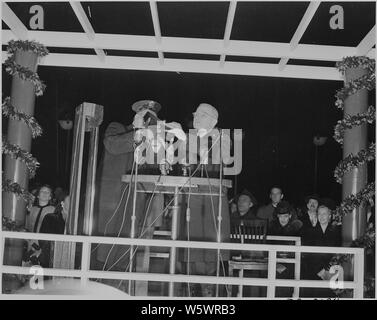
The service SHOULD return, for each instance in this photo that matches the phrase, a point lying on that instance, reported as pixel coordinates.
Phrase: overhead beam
(228, 28)
(157, 29)
(188, 45)
(367, 43)
(14, 23)
(87, 26)
(192, 66)
(304, 23)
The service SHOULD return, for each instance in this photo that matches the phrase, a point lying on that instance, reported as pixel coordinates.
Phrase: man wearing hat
(308, 215)
(284, 224)
(246, 208)
(114, 204)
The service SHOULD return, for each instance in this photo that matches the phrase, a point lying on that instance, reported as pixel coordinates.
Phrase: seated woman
(324, 234)
(283, 224)
(34, 219)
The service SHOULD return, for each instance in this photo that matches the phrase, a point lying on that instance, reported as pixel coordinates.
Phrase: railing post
(358, 274)
(2, 248)
(296, 290)
(85, 262)
(271, 274)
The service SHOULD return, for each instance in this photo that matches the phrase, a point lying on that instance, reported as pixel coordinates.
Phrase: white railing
(270, 282)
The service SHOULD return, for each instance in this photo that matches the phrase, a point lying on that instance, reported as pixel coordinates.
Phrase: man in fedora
(114, 202)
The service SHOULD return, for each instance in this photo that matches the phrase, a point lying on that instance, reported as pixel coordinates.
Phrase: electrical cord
(164, 210)
(214, 220)
(113, 215)
(123, 218)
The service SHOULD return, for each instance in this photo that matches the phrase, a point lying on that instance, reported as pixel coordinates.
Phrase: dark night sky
(280, 116)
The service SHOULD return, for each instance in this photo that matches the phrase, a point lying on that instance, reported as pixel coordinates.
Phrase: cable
(167, 206)
(214, 219)
(145, 218)
(123, 218)
(113, 215)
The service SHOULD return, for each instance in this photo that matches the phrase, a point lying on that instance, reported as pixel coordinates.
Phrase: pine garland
(351, 121)
(368, 242)
(11, 112)
(25, 74)
(15, 188)
(11, 225)
(367, 81)
(354, 161)
(354, 200)
(26, 45)
(17, 153)
(356, 62)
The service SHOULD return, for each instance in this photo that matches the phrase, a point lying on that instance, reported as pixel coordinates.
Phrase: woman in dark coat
(324, 234)
(53, 223)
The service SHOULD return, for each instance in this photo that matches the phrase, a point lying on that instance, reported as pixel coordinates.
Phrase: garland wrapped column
(352, 133)
(23, 97)
(355, 140)
(19, 164)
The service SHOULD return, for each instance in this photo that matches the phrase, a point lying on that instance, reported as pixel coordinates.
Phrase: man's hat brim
(311, 196)
(146, 104)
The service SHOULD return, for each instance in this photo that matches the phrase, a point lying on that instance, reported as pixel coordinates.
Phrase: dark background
(279, 116)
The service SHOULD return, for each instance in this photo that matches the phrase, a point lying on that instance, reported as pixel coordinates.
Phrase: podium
(175, 186)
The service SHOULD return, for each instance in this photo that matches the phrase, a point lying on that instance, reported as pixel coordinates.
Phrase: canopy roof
(278, 39)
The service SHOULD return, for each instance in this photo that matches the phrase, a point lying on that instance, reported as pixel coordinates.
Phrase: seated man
(308, 215)
(246, 211)
(267, 211)
(246, 208)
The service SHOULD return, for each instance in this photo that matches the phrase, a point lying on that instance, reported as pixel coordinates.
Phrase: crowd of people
(283, 219)
(313, 223)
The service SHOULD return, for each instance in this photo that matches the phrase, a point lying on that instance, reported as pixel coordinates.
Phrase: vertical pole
(90, 183)
(316, 168)
(355, 139)
(133, 222)
(76, 170)
(219, 217)
(69, 249)
(67, 149)
(174, 234)
(2, 245)
(22, 98)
